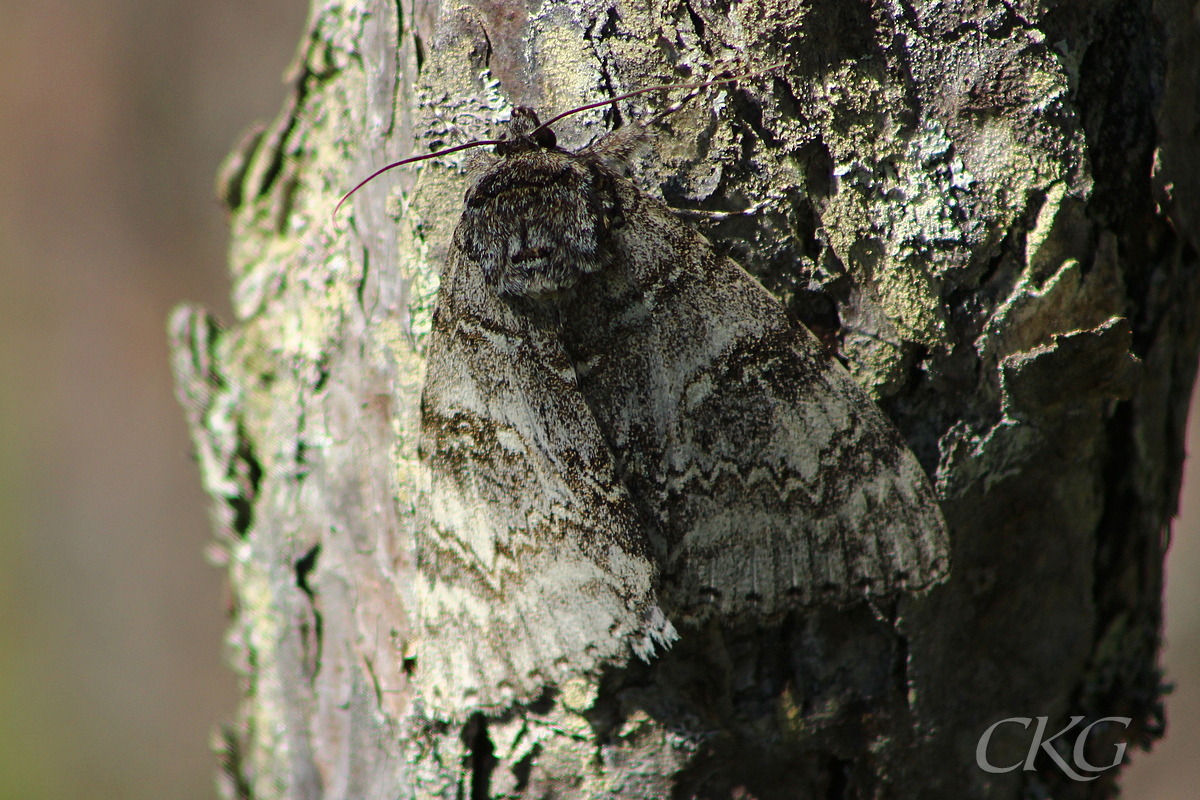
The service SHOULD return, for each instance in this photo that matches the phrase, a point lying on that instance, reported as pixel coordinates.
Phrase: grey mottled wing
(773, 479)
(531, 558)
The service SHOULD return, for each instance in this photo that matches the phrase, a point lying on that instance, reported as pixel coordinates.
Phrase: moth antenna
(675, 107)
(552, 120)
(868, 334)
(715, 216)
(404, 161)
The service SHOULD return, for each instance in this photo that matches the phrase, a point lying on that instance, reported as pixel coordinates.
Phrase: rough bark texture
(1009, 233)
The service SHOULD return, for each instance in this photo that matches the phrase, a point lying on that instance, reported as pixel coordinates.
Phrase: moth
(622, 427)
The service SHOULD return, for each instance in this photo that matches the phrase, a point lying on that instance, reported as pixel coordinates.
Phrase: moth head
(525, 132)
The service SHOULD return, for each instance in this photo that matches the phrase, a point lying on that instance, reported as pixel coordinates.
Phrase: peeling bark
(1001, 200)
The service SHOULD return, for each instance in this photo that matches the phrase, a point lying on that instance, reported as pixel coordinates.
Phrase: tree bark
(1008, 232)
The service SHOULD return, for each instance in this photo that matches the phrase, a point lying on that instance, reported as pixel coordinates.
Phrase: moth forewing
(772, 478)
(532, 563)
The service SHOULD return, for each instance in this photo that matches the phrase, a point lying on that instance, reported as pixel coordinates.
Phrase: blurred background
(114, 116)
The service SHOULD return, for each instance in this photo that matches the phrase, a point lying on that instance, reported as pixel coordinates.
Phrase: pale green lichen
(259, 629)
(564, 57)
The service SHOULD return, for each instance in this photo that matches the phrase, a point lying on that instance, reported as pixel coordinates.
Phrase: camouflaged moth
(622, 428)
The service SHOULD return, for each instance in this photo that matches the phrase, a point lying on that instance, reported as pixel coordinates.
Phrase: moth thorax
(534, 225)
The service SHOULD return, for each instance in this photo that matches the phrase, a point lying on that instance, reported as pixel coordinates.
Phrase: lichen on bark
(974, 187)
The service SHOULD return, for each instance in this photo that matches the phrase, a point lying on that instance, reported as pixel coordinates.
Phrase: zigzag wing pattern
(772, 478)
(531, 557)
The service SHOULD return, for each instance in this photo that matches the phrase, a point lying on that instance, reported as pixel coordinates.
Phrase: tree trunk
(974, 187)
